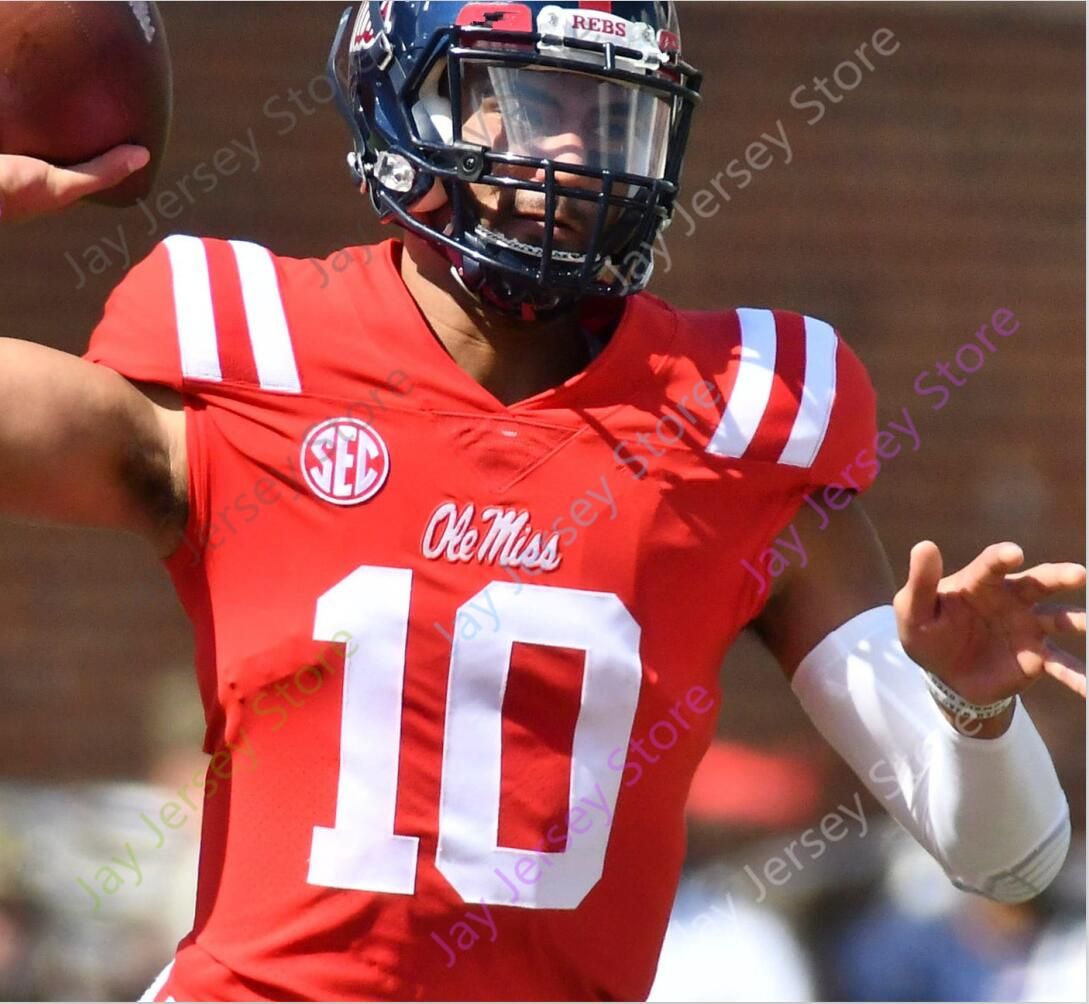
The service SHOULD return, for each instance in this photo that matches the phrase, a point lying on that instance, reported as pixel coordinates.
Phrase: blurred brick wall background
(944, 183)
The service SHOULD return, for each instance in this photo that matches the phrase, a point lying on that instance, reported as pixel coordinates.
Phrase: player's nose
(564, 148)
(568, 147)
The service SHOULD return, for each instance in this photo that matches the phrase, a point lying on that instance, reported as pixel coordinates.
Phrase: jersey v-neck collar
(611, 367)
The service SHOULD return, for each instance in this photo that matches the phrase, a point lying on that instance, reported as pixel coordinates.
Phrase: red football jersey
(459, 660)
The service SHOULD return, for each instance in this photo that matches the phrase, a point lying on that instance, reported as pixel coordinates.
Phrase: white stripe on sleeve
(818, 395)
(197, 340)
(269, 335)
(752, 389)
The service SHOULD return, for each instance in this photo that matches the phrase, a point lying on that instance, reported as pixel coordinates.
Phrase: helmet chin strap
(498, 291)
(526, 311)
(494, 289)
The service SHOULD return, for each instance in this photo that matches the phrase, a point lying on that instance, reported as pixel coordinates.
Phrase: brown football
(77, 79)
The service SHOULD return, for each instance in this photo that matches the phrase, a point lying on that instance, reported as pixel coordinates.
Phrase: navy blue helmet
(537, 145)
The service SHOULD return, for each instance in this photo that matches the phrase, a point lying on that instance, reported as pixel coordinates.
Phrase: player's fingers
(1062, 666)
(67, 184)
(918, 600)
(1042, 580)
(1056, 618)
(992, 564)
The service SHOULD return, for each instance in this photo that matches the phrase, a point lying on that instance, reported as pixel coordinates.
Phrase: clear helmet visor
(565, 116)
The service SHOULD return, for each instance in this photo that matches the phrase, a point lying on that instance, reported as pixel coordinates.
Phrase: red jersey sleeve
(797, 400)
(138, 333)
(846, 454)
(199, 314)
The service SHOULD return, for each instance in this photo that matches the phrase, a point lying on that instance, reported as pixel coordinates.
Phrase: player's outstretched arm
(79, 444)
(916, 692)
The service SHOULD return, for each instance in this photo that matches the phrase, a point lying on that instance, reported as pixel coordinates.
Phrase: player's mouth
(522, 226)
(568, 232)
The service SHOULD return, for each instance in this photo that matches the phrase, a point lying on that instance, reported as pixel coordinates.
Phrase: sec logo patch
(344, 461)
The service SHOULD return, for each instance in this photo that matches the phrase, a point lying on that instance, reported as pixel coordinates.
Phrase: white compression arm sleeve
(990, 811)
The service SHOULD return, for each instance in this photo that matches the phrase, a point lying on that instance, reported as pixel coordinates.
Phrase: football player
(465, 523)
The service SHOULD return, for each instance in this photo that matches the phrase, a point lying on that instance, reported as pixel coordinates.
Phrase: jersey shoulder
(201, 313)
(789, 390)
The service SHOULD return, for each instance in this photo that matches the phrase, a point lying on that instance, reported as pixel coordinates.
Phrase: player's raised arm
(919, 695)
(79, 444)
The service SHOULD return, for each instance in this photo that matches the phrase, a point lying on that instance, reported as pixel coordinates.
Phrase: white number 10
(361, 851)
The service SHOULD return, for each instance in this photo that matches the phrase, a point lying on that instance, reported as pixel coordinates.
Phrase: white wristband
(961, 709)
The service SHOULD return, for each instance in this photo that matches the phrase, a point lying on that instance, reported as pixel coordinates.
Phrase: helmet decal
(364, 34)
